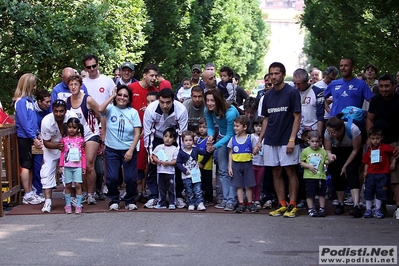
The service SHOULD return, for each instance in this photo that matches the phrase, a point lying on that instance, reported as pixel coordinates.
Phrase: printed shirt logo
(101, 89)
(277, 109)
(352, 88)
(113, 118)
(337, 87)
(344, 94)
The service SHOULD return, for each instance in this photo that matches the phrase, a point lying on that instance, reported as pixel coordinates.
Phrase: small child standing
(164, 156)
(226, 84)
(205, 163)
(240, 163)
(187, 162)
(73, 162)
(313, 159)
(376, 172)
(184, 93)
(258, 164)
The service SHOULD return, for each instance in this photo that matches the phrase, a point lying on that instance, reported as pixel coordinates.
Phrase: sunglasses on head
(59, 103)
(91, 67)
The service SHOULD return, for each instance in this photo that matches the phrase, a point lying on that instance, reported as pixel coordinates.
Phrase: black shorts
(25, 153)
(315, 187)
(95, 138)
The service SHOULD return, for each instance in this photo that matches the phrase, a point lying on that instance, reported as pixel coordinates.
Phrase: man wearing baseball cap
(127, 74)
(196, 71)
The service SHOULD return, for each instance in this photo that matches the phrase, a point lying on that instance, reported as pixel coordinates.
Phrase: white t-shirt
(100, 88)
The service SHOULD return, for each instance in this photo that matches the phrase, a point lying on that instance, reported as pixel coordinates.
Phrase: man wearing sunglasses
(61, 90)
(99, 86)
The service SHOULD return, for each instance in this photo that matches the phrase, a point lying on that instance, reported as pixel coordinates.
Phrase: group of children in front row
(246, 169)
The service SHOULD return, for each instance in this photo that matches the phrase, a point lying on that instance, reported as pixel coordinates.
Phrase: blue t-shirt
(226, 125)
(279, 106)
(120, 127)
(347, 93)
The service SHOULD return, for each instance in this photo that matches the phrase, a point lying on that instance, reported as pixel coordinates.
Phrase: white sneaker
(201, 207)
(335, 202)
(151, 203)
(91, 200)
(46, 207)
(31, 200)
(41, 198)
(180, 203)
(349, 201)
(396, 214)
(131, 207)
(268, 204)
(84, 197)
(114, 207)
(191, 207)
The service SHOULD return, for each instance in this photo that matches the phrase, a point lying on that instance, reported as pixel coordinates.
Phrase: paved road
(182, 238)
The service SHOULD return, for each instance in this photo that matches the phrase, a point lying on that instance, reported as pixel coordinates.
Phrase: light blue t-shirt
(120, 124)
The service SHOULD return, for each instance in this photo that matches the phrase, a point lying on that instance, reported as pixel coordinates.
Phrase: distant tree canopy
(43, 37)
(365, 30)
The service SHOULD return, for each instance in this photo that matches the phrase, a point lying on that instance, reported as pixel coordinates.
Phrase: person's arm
(93, 105)
(129, 153)
(328, 148)
(308, 166)
(294, 132)
(231, 162)
(356, 144)
(102, 109)
(83, 159)
(366, 167)
(179, 163)
(258, 146)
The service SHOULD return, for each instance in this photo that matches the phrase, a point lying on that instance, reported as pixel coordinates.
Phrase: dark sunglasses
(59, 103)
(269, 84)
(195, 71)
(91, 67)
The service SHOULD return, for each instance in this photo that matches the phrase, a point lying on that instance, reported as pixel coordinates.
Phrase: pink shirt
(73, 154)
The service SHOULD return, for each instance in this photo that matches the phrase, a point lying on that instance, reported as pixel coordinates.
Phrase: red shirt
(164, 84)
(383, 166)
(139, 99)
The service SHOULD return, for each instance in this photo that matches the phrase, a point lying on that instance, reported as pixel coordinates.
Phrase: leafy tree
(43, 37)
(229, 33)
(365, 30)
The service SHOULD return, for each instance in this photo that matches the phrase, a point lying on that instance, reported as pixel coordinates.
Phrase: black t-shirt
(386, 116)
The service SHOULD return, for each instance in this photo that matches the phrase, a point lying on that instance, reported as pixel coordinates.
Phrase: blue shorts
(376, 184)
(243, 175)
(73, 174)
(140, 174)
(315, 187)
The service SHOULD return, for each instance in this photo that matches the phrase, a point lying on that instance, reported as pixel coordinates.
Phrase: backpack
(353, 114)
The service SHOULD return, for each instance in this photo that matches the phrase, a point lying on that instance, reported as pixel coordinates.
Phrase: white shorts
(277, 155)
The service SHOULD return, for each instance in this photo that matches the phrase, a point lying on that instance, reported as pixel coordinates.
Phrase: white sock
(48, 201)
(378, 203)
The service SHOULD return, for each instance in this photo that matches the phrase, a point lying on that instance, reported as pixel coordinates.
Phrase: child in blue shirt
(187, 162)
(240, 163)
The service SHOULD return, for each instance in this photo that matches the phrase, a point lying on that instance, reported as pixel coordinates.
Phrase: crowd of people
(160, 144)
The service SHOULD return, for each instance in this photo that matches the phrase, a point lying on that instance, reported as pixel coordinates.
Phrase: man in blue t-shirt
(347, 91)
(282, 112)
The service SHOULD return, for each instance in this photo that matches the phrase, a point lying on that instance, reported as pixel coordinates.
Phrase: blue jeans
(194, 192)
(113, 160)
(229, 192)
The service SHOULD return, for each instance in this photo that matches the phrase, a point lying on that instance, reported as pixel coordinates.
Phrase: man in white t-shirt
(98, 86)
